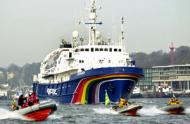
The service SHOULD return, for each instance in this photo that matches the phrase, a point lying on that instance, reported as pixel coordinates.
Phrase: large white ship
(81, 71)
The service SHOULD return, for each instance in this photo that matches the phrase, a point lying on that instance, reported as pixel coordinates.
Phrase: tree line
(161, 58)
(19, 76)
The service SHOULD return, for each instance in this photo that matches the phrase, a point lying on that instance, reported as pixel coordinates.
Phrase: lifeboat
(38, 112)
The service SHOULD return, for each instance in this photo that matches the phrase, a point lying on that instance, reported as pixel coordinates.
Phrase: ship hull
(89, 87)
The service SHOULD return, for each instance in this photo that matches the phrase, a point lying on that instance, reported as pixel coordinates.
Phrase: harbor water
(99, 114)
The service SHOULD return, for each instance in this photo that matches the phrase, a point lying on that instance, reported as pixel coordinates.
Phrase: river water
(99, 114)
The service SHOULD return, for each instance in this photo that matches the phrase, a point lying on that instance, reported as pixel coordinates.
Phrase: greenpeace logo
(51, 91)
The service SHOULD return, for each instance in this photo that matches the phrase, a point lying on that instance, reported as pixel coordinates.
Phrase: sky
(30, 29)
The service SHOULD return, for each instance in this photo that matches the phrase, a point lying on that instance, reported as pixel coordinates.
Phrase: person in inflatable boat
(122, 102)
(174, 101)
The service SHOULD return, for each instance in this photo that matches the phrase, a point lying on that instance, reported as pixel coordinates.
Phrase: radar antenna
(92, 23)
(121, 43)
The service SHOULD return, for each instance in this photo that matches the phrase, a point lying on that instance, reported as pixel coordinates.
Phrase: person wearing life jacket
(34, 98)
(122, 102)
(22, 101)
(13, 105)
(30, 100)
(174, 101)
(25, 104)
(170, 101)
(177, 101)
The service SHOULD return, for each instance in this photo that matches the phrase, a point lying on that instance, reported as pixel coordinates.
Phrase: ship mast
(122, 34)
(92, 22)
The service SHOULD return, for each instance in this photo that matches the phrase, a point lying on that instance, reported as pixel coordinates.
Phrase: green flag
(107, 100)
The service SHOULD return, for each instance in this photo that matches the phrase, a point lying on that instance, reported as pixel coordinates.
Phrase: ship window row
(81, 61)
(98, 49)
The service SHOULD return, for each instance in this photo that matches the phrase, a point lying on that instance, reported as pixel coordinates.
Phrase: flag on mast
(107, 100)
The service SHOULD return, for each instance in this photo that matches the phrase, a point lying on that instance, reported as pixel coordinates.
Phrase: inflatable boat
(38, 112)
(174, 109)
(129, 110)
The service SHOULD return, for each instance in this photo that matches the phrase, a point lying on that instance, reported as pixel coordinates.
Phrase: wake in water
(55, 116)
(105, 111)
(187, 110)
(146, 102)
(148, 111)
(6, 114)
(151, 111)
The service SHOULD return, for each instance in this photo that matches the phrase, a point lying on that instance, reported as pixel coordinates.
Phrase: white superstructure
(76, 57)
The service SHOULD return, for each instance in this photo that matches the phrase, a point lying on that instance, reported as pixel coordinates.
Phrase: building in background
(164, 81)
(4, 91)
(144, 87)
(1, 77)
(147, 79)
(171, 78)
(10, 75)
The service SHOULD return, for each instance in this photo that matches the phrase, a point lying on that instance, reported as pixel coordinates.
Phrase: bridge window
(92, 49)
(119, 50)
(101, 49)
(115, 50)
(82, 49)
(81, 61)
(105, 49)
(110, 49)
(86, 49)
(77, 50)
(96, 49)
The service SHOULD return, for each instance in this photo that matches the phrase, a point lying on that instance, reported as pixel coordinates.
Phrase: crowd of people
(24, 102)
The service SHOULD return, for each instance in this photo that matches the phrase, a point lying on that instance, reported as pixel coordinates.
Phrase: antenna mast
(92, 23)
(122, 34)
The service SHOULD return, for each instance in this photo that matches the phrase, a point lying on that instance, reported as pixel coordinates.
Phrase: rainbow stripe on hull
(89, 87)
